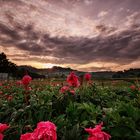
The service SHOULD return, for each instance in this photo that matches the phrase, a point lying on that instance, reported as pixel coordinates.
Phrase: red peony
(26, 80)
(72, 80)
(87, 76)
(97, 134)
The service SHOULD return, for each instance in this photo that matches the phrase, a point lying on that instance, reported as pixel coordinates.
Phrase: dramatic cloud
(58, 32)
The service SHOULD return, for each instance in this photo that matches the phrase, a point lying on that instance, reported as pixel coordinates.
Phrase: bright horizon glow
(49, 65)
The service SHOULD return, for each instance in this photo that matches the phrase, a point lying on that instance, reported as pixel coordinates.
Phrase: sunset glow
(49, 65)
(87, 35)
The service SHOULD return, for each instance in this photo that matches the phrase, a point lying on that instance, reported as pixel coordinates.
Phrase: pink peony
(132, 87)
(1, 136)
(72, 80)
(26, 80)
(3, 127)
(19, 83)
(44, 131)
(72, 92)
(64, 89)
(97, 134)
(26, 136)
(87, 76)
(10, 98)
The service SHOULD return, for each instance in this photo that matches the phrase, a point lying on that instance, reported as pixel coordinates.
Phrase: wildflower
(64, 89)
(87, 76)
(72, 80)
(97, 134)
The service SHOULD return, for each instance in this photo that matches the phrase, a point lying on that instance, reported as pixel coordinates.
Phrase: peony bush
(69, 110)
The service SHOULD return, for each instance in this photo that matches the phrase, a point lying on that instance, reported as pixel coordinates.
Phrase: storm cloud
(62, 40)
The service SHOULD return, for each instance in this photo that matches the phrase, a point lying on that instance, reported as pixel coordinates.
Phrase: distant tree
(7, 66)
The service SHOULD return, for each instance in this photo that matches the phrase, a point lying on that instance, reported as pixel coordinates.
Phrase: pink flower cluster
(73, 82)
(97, 133)
(3, 127)
(44, 131)
(134, 88)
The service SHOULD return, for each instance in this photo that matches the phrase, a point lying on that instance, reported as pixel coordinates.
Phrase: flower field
(74, 109)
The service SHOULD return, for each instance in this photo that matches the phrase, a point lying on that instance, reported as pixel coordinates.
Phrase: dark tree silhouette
(7, 66)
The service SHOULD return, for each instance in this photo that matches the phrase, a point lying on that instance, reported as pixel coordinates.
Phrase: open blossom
(3, 127)
(44, 131)
(64, 89)
(72, 80)
(26, 80)
(87, 76)
(97, 134)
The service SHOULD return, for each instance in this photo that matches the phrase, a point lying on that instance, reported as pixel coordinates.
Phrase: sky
(86, 35)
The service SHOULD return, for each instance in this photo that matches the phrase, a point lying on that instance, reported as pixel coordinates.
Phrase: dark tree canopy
(6, 66)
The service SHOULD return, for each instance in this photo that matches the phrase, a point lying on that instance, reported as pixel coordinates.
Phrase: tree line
(6, 66)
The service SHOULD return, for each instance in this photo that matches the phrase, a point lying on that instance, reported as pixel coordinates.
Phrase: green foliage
(90, 105)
